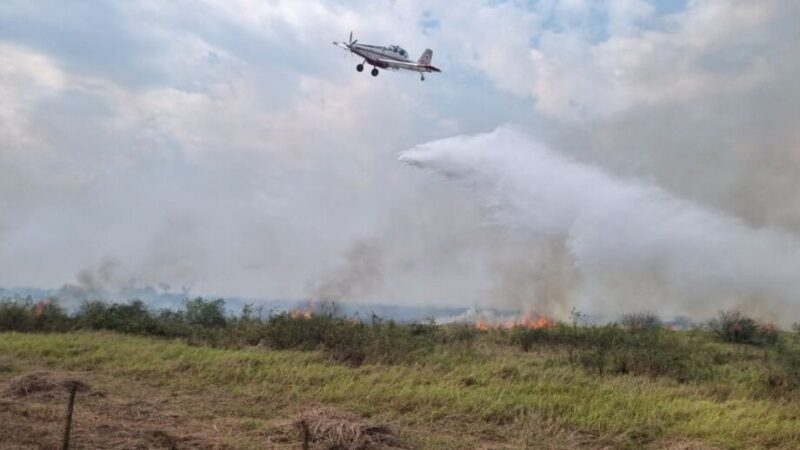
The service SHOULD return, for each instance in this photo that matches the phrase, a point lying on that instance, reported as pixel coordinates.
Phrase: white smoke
(633, 246)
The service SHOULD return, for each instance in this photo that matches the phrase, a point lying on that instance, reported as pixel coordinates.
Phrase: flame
(302, 313)
(534, 322)
(41, 306)
(305, 311)
(530, 321)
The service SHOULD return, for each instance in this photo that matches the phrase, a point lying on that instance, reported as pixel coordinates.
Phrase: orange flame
(41, 306)
(530, 321)
(302, 313)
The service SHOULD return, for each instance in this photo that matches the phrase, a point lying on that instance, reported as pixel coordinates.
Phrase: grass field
(159, 393)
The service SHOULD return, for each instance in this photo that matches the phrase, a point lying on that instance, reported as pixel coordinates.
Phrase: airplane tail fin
(425, 59)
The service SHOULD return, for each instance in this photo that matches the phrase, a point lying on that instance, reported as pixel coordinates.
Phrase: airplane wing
(408, 65)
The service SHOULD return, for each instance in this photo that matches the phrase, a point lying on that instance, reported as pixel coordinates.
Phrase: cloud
(647, 60)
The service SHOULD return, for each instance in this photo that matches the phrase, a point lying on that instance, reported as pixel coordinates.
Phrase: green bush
(18, 314)
(49, 316)
(284, 331)
(460, 334)
(785, 374)
(349, 341)
(391, 343)
(132, 317)
(528, 338)
(735, 327)
(206, 313)
(641, 321)
(611, 349)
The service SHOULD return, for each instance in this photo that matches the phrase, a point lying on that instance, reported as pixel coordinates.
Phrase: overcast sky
(227, 146)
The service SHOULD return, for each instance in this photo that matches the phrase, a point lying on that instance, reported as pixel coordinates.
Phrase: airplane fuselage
(373, 54)
(391, 57)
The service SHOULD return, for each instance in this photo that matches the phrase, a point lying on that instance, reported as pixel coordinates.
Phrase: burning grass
(530, 321)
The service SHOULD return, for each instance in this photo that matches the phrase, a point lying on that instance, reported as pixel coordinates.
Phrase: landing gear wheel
(360, 67)
(374, 72)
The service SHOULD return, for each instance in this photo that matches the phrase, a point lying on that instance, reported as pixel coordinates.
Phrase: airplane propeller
(350, 43)
(347, 46)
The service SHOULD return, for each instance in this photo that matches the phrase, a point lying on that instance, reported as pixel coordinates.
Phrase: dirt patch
(341, 430)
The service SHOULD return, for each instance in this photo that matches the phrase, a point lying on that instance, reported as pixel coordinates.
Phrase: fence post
(306, 435)
(72, 390)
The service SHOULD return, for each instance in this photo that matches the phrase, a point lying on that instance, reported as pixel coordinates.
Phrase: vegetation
(629, 385)
(641, 321)
(733, 326)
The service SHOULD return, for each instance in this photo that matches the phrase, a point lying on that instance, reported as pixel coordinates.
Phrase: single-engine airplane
(391, 57)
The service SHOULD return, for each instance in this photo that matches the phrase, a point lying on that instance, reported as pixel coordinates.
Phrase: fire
(536, 322)
(302, 313)
(41, 306)
(530, 321)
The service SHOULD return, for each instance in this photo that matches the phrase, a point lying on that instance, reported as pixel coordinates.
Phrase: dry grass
(131, 414)
(342, 430)
(43, 383)
(32, 409)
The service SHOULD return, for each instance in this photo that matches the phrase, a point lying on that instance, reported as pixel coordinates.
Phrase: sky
(227, 147)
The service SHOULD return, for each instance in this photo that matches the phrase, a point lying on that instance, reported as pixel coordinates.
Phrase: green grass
(457, 394)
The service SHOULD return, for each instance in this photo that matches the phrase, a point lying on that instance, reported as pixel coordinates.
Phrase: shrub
(641, 321)
(248, 328)
(461, 333)
(49, 316)
(132, 317)
(785, 375)
(284, 331)
(527, 338)
(206, 313)
(391, 343)
(616, 350)
(17, 314)
(348, 341)
(735, 327)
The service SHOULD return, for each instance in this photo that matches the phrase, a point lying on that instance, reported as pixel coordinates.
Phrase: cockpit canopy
(399, 50)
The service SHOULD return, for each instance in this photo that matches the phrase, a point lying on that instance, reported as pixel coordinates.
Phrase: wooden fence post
(70, 406)
(305, 434)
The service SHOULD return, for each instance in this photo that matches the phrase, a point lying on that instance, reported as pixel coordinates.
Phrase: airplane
(391, 57)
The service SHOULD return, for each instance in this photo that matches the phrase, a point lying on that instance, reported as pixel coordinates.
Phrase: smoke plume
(598, 241)
(360, 274)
